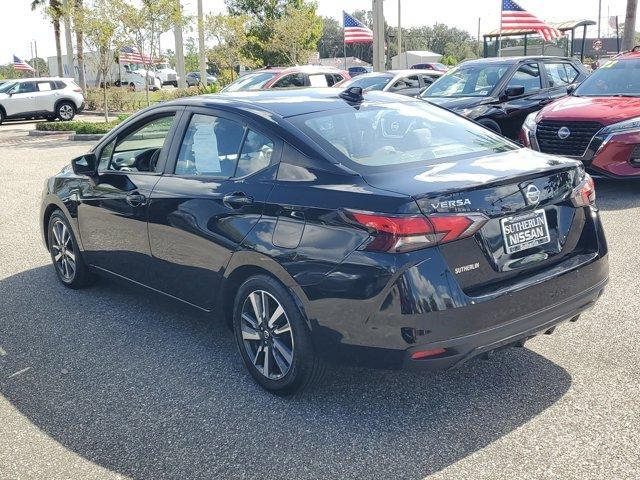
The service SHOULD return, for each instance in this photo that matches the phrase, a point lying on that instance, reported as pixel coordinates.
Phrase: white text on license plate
(525, 231)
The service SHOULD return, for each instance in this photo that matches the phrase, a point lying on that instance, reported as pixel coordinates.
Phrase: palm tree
(78, 18)
(630, 25)
(55, 12)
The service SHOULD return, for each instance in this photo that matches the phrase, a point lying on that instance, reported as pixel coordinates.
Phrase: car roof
(413, 71)
(38, 79)
(512, 60)
(285, 103)
(298, 68)
(627, 55)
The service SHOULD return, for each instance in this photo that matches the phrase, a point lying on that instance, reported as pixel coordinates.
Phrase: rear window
(393, 135)
(615, 78)
(369, 82)
(251, 81)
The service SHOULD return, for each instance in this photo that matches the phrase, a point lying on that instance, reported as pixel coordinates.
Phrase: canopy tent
(411, 57)
(568, 28)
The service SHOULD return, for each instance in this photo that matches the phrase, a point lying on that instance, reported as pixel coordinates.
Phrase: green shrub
(78, 126)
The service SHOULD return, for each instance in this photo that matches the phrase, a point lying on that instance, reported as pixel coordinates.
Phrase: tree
(53, 11)
(296, 34)
(231, 36)
(628, 39)
(142, 27)
(78, 17)
(102, 31)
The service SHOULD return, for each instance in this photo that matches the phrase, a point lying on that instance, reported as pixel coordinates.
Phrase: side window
(572, 72)
(210, 147)
(428, 79)
(319, 80)
(556, 74)
(528, 76)
(25, 87)
(404, 83)
(139, 150)
(256, 154)
(44, 86)
(290, 81)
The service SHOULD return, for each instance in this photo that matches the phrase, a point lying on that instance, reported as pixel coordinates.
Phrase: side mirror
(514, 91)
(571, 88)
(85, 164)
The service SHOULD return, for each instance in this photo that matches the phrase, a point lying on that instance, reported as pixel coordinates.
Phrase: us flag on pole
(133, 55)
(514, 17)
(21, 65)
(355, 31)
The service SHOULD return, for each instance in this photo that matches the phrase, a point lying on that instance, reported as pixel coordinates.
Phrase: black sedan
(499, 93)
(328, 226)
(193, 79)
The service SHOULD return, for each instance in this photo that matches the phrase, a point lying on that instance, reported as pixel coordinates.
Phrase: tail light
(77, 90)
(585, 193)
(404, 233)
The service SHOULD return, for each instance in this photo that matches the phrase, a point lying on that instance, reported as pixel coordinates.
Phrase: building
(411, 57)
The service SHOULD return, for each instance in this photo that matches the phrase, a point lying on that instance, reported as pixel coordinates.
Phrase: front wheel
(491, 125)
(273, 338)
(65, 111)
(65, 254)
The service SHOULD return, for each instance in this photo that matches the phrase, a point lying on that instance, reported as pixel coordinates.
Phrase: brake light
(404, 233)
(585, 193)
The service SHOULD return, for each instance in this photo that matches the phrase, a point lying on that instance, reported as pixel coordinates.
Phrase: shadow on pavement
(617, 194)
(143, 387)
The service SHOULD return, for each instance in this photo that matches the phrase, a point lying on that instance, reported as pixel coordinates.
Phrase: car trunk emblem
(532, 193)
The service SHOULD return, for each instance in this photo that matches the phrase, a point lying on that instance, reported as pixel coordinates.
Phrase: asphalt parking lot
(115, 382)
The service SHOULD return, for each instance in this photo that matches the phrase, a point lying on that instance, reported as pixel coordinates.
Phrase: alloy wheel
(66, 112)
(64, 255)
(266, 334)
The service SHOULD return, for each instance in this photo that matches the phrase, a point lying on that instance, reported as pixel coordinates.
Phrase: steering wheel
(393, 125)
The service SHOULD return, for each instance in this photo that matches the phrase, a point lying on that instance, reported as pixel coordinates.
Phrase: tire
(65, 111)
(65, 255)
(132, 87)
(50, 118)
(1, 116)
(292, 364)
(491, 125)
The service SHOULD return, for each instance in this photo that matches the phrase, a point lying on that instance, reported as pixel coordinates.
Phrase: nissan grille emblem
(533, 194)
(563, 133)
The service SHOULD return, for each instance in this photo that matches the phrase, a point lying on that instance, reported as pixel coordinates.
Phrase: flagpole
(500, 33)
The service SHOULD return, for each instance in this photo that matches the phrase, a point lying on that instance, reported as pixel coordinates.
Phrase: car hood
(605, 110)
(457, 103)
(450, 175)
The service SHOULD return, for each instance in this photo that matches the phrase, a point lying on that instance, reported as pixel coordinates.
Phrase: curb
(84, 136)
(96, 113)
(44, 133)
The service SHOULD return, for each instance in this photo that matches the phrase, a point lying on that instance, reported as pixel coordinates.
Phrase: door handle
(136, 199)
(237, 200)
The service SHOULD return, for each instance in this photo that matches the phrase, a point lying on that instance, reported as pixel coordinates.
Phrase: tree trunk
(201, 53)
(628, 39)
(80, 46)
(104, 98)
(177, 33)
(56, 34)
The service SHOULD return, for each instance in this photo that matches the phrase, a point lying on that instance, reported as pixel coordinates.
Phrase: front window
(527, 76)
(369, 82)
(467, 81)
(392, 135)
(250, 81)
(615, 78)
(5, 87)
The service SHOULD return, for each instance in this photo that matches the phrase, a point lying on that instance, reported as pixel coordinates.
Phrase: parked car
(193, 79)
(288, 77)
(45, 97)
(332, 226)
(599, 123)
(499, 93)
(166, 74)
(441, 67)
(355, 71)
(403, 82)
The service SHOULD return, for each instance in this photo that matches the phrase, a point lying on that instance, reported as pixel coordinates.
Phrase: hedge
(80, 126)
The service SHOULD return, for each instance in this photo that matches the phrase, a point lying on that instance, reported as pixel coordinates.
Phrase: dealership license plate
(525, 231)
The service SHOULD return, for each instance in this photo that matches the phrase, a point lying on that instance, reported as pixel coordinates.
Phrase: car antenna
(352, 95)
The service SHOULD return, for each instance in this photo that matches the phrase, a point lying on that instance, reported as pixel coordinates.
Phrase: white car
(403, 82)
(167, 75)
(50, 98)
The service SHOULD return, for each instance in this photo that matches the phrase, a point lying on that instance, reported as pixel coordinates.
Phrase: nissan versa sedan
(333, 227)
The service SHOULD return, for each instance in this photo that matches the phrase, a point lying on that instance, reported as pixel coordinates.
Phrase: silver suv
(50, 98)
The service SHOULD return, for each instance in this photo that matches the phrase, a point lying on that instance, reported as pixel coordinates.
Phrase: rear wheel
(65, 111)
(132, 87)
(1, 116)
(65, 254)
(491, 125)
(273, 338)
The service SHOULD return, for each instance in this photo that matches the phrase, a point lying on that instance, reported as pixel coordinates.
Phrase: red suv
(288, 77)
(598, 123)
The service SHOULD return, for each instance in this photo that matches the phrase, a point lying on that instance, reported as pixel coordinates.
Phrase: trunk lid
(513, 190)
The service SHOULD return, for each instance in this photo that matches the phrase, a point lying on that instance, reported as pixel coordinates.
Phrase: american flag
(133, 55)
(355, 31)
(22, 65)
(514, 17)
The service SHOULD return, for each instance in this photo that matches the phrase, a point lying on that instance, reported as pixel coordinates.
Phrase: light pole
(378, 36)
(201, 53)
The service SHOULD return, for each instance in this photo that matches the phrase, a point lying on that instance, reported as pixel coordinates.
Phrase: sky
(20, 25)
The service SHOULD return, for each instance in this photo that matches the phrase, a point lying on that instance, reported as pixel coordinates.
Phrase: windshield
(368, 82)
(251, 81)
(615, 78)
(5, 87)
(467, 81)
(162, 66)
(392, 135)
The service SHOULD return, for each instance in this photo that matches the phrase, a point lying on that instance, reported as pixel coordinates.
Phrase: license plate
(525, 231)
